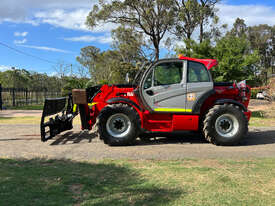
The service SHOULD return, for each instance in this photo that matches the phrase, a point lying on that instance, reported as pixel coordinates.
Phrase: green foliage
(193, 49)
(111, 66)
(106, 66)
(33, 81)
(262, 39)
(236, 61)
(73, 83)
(254, 93)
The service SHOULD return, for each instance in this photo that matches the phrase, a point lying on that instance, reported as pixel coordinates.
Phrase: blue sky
(55, 30)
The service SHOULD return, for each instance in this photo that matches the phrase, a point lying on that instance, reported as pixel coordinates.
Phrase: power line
(27, 54)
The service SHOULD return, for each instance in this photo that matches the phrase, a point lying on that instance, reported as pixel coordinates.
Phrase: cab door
(199, 85)
(163, 88)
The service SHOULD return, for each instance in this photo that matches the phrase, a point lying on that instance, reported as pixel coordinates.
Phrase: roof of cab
(208, 63)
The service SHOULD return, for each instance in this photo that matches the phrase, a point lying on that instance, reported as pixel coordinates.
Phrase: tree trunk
(157, 53)
(156, 45)
(201, 32)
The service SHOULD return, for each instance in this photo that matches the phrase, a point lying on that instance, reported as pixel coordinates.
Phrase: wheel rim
(118, 125)
(227, 125)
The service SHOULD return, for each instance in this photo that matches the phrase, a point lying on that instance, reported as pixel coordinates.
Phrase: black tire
(107, 129)
(225, 125)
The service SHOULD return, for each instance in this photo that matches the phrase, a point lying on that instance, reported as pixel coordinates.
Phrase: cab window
(168, 73)
(197, 73)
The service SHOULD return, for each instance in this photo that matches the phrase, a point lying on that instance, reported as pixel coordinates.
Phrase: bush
(254, 93)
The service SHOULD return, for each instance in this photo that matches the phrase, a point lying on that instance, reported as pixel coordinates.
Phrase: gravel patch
(23, 141)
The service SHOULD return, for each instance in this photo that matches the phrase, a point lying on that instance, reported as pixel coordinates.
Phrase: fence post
(1, 102)
(13, 97)
(26, 96)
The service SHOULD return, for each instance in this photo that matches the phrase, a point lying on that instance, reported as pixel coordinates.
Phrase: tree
(130, 44)
(261, 38)
(153, 17)
(236, 60)
(239, 28)
(215, 31)
(188, 18)
(191, 14)
(206, 11)
(202, 50)
(72, 82)
(89, 56)
(111, 66)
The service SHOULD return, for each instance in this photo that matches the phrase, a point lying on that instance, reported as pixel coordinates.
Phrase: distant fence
(13, 97)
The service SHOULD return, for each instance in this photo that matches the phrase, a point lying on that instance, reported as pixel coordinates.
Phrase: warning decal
(191, 97)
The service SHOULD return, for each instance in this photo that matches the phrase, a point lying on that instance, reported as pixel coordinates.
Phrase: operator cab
(176, 85)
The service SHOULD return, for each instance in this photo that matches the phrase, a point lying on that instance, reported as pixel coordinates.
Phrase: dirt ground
(23, 141)
(262, 105)
(20, 113)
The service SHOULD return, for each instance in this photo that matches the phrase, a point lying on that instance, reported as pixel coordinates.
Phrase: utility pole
(13, 74)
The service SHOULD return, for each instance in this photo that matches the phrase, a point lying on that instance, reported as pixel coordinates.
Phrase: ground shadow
(173, 138)
(18, 139)
(259, 137)
(256, 137)
(64, 182)
(73, 137)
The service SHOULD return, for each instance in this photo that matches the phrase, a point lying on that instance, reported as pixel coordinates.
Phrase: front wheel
(118, 125)
(225, 125)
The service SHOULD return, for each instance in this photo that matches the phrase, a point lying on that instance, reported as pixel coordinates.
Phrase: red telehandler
(167, 96)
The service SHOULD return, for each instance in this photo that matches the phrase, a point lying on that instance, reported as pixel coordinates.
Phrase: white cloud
(11, 10)
(23, 41)
(252, 14)
(66, 19)
(68, 14)
(4, 68)
(22, 34)
(45, 48)
(70, 19)
(88, 38)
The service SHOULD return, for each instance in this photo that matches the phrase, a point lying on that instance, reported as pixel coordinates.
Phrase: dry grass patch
(28, 120)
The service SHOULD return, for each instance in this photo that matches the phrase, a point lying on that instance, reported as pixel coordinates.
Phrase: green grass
(27, 107)
(185, 182)
(262, 119)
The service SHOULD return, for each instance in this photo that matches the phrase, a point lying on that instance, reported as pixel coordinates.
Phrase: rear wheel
(118, 125)
(225, 125)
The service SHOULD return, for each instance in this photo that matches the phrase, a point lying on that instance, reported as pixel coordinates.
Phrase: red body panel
(162, 122)
(185, 122)
(208, 63)
(225, 92)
